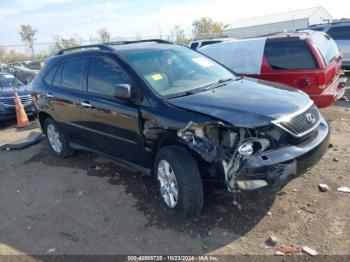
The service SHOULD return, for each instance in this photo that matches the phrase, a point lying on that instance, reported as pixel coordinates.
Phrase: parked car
(23, 73)
(8, 84)
(309, 61)
(35, 65)
(340, 32)
(195, 44)
(167, 110)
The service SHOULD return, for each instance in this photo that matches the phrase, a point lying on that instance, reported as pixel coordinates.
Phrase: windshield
(326, 46)
(9, 81)
(177, 70)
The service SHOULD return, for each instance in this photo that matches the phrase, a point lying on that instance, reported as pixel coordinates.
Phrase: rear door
(65, 94)
(112, 125)
(289, 60)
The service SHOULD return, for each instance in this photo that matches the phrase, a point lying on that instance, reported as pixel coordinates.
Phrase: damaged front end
(228, 145)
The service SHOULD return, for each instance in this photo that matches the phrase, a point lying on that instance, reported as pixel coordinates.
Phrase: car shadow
(219, 214)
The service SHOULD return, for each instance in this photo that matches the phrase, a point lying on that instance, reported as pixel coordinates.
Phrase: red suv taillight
(322, 80)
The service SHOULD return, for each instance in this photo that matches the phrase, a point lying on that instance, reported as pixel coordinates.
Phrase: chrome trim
(289, 117)
(101, 133)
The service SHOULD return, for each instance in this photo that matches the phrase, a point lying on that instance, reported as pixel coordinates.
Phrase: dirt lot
(89, 205)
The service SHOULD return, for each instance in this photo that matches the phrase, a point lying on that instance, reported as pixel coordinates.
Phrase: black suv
(167, 110)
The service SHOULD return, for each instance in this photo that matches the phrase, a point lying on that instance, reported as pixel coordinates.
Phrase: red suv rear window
(289, 54)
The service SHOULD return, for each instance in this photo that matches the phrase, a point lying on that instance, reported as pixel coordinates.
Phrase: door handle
(86, 104)
(49, 95)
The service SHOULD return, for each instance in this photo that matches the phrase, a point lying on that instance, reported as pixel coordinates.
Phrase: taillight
(322, 80)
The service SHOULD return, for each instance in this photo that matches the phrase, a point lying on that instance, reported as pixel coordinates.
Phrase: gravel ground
(89, 205)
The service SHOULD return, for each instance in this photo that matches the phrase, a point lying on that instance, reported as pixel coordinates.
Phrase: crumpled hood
(246, 103)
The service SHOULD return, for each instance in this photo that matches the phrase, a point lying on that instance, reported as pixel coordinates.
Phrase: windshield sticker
(202, 61)
(157, 77)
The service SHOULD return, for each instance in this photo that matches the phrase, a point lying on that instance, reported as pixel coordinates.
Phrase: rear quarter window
(289, 54)
(72, 74)
(194, 45)
(204, 43)
(50, 75)
(339, 32)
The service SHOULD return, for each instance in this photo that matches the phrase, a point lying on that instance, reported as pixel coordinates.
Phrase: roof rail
(160, 41)
(102, 47)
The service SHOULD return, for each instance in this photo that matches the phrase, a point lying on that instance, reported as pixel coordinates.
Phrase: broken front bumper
(278, 167)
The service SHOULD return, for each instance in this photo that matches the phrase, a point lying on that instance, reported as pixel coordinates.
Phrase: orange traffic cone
(22, 119)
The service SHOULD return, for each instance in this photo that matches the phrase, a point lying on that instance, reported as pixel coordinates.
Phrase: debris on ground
(307, 210)
(288, 250)
(73, 237)
(344, 189)
(271, 240)
(269, 213)
(279, 253)
(323, 187)
(309, 251)
(33, 138)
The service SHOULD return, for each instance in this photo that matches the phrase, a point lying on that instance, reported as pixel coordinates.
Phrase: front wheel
(179, 181)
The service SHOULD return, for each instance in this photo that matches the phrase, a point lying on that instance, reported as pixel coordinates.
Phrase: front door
(112, 124)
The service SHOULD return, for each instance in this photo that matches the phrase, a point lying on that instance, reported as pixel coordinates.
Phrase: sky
(124, 18)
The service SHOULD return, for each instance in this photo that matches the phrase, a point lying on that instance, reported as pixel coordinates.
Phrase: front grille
(301, 124)
(10, 101)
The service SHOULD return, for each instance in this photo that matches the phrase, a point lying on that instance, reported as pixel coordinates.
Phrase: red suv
(308, 60)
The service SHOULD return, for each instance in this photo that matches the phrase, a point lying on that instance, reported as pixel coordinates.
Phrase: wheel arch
(42, 116)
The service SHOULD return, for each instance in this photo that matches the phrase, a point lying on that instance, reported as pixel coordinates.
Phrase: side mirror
(122, 91)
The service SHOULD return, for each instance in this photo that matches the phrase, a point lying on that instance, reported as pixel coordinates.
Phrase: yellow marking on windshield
(157, 77)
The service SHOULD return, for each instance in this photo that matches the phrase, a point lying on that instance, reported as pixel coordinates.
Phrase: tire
(57, 141)
(188, 181)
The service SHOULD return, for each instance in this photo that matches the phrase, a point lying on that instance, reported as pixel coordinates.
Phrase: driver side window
(104, 74)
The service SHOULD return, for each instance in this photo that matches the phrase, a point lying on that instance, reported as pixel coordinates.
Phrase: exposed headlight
(253, 146)
(246, 149)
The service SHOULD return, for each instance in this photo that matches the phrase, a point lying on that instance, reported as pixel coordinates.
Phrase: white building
(270, 24)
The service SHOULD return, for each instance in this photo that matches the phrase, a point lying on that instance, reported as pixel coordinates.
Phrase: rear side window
(104, 74)
(194, 45)
(50, 75)
(204, 43)
(289, 54)
(72, 74)
(339, 32)
(58, 75)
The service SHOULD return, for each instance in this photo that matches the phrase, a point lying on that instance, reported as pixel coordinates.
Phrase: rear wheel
(179, 181)
(56, 139)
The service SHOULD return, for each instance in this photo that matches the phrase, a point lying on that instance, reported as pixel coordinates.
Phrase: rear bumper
(278, 167)
(331, 94)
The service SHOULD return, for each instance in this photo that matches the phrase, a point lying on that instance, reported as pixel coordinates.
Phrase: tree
(104, 35)
(178, 34)
(206, 26)
(61, 43)
(27, 34)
